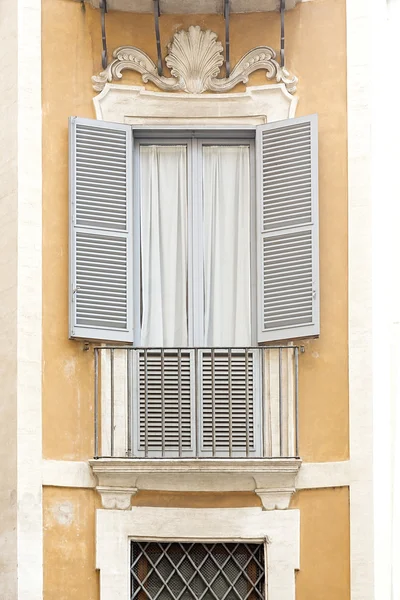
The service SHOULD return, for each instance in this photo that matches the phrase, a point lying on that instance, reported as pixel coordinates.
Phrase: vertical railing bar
(246, 360)
(296, 398)
(271, 354)
(214, 445)
(162, 402)
(129, 398)
(96, 402)
(112, 420)
(197, 401)
(280, 403)
(146, 407)
(180, 399)
(263, 407)
(157, 32)
(230, 399)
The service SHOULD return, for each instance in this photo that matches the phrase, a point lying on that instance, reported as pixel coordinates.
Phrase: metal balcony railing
(196, 402)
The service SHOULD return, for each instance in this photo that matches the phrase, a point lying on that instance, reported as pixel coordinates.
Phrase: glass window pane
(163, 209)
(226, 242)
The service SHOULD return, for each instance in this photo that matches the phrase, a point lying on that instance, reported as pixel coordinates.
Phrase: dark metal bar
(227, 11)
(96, 402)
(286, 444)
(180, 399)
(157, 31)
(146, 411)
(282, 9)
(196, 398)
(162, 402)
(246, 361)
(112, 419)
(230, 399)
(280, 404)
(264, 435)
(296, 398)
(129, 399)
(103, 12)
(109, 347)
(213, 401)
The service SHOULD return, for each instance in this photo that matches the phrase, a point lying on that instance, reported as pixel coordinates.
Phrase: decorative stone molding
(116, 498)
(195, 58)
(78, 474)
(278, 529)
(274, 499)
(273, 480)
(137, 106)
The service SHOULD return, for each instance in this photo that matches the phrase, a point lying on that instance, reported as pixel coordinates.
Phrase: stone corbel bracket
(116, 497)
(273, 480)
(195, 58)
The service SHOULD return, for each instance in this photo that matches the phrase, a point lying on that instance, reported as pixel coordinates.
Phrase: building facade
(198, 208)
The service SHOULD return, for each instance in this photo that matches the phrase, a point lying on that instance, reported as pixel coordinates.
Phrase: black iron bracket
(157, 14)
(227, 14)
(282, 8)
(103, 12)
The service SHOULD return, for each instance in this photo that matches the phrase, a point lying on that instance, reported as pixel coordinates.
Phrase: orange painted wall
(324, 544)
(69, 552)
(315, 37)
(69, 544)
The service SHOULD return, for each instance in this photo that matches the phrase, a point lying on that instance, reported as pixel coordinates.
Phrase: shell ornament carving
(195, 58)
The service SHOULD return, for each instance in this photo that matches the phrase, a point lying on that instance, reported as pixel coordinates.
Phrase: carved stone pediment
(195, 58)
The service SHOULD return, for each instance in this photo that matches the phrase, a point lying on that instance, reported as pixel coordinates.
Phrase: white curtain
(226, 239)
(163, 181)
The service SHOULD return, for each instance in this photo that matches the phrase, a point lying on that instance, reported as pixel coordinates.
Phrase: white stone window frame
(141, 108)
(115, 529)
(279, 530)
(137, 106)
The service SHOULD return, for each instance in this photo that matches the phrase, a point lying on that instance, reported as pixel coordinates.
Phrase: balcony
(193, 7)
(196, 419)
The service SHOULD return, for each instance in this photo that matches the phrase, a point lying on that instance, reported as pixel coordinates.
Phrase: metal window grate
(194, 571)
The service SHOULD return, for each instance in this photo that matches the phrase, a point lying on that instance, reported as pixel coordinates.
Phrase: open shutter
(101, 303)
(287, 223)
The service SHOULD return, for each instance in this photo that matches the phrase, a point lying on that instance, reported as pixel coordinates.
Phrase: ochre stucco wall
(315, 50)
(315, 35)
(69, 549)
(324, 544)
(69, 544)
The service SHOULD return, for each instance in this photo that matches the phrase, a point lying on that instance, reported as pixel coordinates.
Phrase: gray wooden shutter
(287, 222)
(166, 403)
(101, 303)
(229, 413)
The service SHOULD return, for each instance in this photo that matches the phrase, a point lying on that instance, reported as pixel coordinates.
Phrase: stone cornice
(273, 480)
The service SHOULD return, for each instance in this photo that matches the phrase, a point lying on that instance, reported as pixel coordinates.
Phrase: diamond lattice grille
(176, 571)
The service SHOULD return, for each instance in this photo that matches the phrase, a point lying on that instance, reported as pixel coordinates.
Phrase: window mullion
(136, 245)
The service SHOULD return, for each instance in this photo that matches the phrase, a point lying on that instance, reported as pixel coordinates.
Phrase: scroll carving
(195, 58)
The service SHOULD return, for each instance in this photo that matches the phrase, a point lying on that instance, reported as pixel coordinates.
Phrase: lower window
(191, 571)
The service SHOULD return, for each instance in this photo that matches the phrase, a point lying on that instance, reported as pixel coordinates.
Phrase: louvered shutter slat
(101, 304)
(161, 431)
(228, 427)
(287, 171)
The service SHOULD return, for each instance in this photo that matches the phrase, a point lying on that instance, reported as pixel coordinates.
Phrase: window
(184, 275)
(191, 571)
(195, 205)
